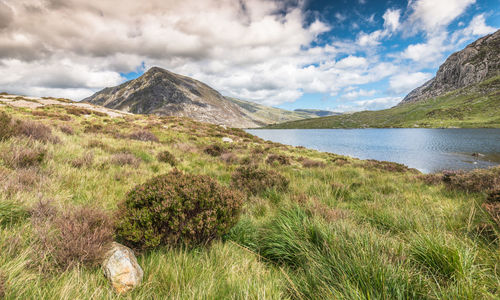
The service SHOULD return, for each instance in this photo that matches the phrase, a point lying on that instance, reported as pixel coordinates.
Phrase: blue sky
(337, 55)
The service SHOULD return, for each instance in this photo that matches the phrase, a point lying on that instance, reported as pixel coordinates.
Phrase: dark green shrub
(167, 157)
(214, 150)
(177, 208)
(254, 180)
(281, 159)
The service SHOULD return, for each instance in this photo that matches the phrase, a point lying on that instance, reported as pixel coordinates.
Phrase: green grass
(473, 107)
(349, 230)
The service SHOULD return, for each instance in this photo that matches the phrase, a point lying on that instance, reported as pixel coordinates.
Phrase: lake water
(428, 150)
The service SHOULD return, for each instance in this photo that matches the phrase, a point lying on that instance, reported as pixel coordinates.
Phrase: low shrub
(144, 136)
(254, 180)
(65, 239)
(6, 126)
(77, 111)
(94, 128)
(167, 157)
(24, 155)
(280, 159)
(67, 129)
(214, 150)
(479, 180)
(21, 180)
(229, 158)
(51, 115)
(86, 160)
(177, 209)
(122, 159)
(309, 163)
(36, 131)
(387, 166)
(492, 206)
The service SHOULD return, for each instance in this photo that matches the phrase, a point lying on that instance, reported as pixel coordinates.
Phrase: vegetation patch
(177, 209)
(214, 150)
(167, 157)
(23, 154)
(68, 238)
(278, 158)
(254, 180)
(144, 136)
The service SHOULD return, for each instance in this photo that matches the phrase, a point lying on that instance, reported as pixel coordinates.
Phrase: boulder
(227, 140)
(121, 268)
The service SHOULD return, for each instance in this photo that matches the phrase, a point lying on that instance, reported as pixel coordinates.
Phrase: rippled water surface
(428, 150)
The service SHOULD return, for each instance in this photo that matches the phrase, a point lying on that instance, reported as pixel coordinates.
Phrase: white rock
(121, 268)
(227, 140)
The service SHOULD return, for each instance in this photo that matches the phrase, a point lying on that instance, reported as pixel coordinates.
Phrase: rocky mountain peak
(479, 61)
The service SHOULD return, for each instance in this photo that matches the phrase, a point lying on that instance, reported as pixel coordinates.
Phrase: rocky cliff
(477, 62)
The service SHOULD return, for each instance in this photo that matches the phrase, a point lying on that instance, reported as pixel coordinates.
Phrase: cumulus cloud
(356, 94)
(432, 15)
(405, 82)
(391, 19)
(371, 104)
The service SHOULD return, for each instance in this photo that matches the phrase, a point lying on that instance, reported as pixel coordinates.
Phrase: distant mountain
(479, 61)
(161, 92)
(264, 115)
(318, 112)
(464, 93)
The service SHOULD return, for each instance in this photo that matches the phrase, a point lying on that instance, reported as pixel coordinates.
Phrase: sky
(337, 55)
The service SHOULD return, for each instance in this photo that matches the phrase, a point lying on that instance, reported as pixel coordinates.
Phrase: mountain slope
(161, 92)
(479, 61)
(464, 93)
(264, 115)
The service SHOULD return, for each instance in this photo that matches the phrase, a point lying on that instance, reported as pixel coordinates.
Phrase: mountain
(464, 93)
(265, 115)
(479, 61)
(161, 92)
(318, 112)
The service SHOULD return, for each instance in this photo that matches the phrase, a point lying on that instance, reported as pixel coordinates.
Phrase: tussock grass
(348, 229)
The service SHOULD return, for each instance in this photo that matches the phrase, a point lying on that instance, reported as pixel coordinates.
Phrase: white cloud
(405, 82)
(371, 104)
(433, 15)
(478, 27)
(355, 94)
(430, 51)
(391, 19)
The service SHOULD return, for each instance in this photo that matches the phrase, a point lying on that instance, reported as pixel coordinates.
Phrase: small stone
(121, 268)
(227, 140)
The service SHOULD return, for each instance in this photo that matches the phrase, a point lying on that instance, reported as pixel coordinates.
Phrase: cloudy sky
(339, 55)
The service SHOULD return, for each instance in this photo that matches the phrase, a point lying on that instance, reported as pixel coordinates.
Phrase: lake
(428, 150)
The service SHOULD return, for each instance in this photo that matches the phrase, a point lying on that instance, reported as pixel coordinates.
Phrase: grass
(472, 107)
(345, 229)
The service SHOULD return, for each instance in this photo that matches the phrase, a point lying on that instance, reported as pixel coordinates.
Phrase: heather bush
(387, 166)
(77, 111)
(6, 128)
(143, 135)
(167, 157)
(254, 180)
(67, 129)
(122, 159)
(214, 150)
(229, 158)
(177, 209)
(309, 163)
(280, 159)
(24, 155)
(86, 160)
(36, 131)
(479, 180)
(65, 239)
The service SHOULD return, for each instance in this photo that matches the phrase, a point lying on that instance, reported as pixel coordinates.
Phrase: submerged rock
(121, 268)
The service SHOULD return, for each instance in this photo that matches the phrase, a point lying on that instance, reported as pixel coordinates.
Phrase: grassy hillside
(269, 115)
(477, 106)
(342, 229)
